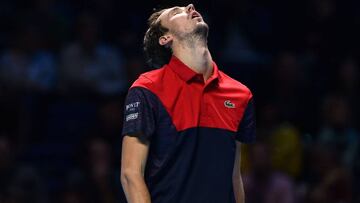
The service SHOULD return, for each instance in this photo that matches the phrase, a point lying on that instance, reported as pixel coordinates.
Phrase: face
(182, 22)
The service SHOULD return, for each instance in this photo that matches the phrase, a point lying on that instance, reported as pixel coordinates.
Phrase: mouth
(195, 15)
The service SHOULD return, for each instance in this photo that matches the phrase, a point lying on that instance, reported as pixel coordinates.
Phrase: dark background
(66, 65)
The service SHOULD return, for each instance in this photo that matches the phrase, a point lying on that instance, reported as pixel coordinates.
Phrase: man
(184, 122)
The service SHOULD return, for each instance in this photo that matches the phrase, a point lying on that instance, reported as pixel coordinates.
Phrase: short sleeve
(247, 128)
(139, 119)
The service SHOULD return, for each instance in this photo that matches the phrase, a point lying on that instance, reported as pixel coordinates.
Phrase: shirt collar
(186, 73)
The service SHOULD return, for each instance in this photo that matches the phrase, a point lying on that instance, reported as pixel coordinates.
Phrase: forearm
(238, 189)
(135, 188)
(237, 180)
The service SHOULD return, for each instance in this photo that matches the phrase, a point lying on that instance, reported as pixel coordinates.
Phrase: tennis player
(184, 121)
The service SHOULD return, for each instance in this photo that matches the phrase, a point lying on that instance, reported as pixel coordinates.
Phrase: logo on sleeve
(132, 106)
(132, 116)
(229, 104)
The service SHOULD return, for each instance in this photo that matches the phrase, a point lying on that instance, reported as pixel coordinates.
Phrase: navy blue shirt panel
(198, 168)
(152, 122)
(139, 113)
(247, 128)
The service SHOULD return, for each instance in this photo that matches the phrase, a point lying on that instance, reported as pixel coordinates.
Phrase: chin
(201, 29)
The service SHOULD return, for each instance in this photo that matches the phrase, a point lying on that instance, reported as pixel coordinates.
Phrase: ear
(165, 39)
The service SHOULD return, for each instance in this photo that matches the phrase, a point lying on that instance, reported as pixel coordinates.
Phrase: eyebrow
(173, 10)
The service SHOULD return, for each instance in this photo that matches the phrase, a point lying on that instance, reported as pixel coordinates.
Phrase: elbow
(236, 178)
(128, 176)
(236, 175)
(124, 179)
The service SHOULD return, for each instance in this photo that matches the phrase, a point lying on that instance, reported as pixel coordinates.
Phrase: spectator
(18, 183)
(329, 182)
(337, 131)
(288, 87)
(27, 65)
(96, 174)
(110, 119)
(347, 82)
(89, 65)
(286, 149)
(263, 184)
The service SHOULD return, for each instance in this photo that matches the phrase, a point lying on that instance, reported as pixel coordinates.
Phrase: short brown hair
(156, 54)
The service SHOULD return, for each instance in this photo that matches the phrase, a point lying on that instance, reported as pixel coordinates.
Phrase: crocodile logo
(229, 104)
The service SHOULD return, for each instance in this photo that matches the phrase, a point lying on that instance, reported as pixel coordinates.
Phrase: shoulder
(149, 79)
(230, 83)
(146, 87)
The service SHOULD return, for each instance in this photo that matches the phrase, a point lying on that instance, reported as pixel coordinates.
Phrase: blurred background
(66, 65)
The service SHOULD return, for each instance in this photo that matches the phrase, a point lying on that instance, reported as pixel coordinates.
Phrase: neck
(195, 54)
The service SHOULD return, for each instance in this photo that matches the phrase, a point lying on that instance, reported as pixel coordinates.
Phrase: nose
(190, 8)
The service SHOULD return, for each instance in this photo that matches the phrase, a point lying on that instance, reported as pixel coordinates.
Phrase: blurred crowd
(66, 65)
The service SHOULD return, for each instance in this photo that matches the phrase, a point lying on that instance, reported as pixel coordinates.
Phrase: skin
(133, 160)
(191, 49)
(237, 180)
(187, 37)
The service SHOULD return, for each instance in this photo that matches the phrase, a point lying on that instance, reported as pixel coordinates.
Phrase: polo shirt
(192, 127)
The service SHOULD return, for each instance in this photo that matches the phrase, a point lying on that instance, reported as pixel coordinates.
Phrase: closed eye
(175, 11)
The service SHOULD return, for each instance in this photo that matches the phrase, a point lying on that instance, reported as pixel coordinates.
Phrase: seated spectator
(27, 65)
(328, 181)
(18, 183)
(337, 131)
(286, 150)
(284, 139)
(263, 184)
(94, 176)
(347, 81)
(335, 187)
(90, 66)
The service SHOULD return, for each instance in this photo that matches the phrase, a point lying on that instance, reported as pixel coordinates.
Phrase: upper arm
(138, 128)
(247, 126)
(134, 155)
(139, 114)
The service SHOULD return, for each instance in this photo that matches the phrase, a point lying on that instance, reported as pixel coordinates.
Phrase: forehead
(168, 11)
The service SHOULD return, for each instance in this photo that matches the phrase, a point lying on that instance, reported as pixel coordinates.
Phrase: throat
(197, 58)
